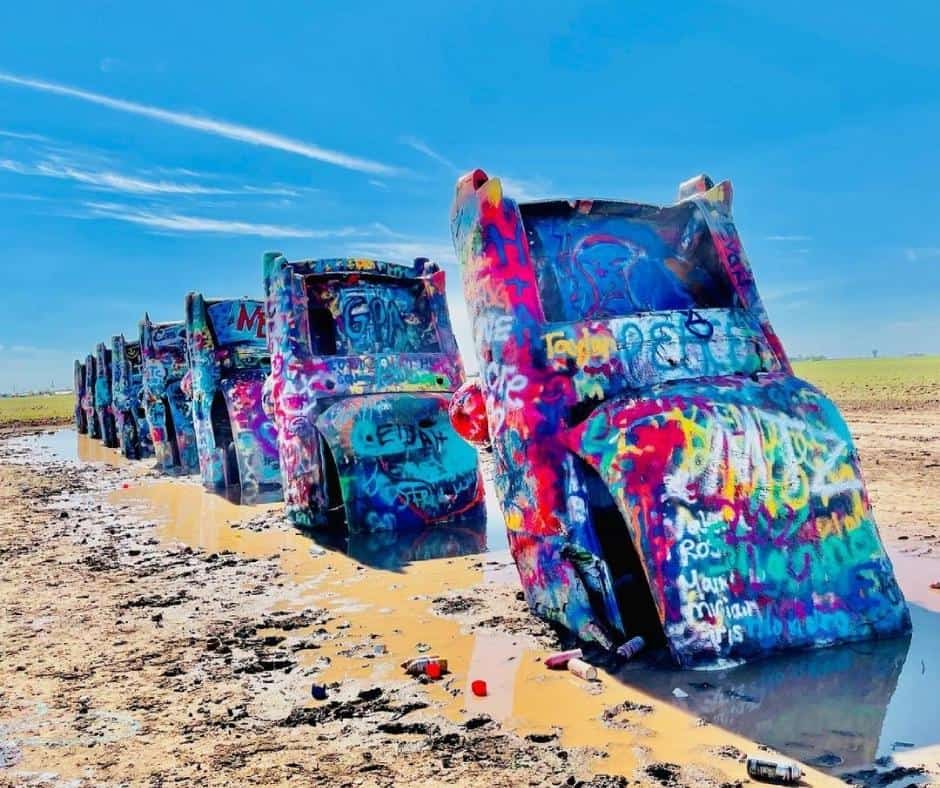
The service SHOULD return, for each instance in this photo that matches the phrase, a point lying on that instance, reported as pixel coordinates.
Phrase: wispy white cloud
(916, 254)
(788, 238)
(379, 184)
(219, 128)
(405, 250)
(423, 147)
(18, 135)
(176, 222)
(526, 190)
(786, 294)
(110, 180)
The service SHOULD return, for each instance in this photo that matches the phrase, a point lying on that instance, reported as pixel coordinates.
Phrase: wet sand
(155, 634)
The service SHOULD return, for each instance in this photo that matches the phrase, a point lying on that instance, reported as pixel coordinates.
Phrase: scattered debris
(559, 660)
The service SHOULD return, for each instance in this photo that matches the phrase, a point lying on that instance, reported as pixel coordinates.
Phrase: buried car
(103, 414)
(229, 362)
(168, 409)
(363, 365)
(661, 470)
(88, 397)
(130, 417)
(78, 385)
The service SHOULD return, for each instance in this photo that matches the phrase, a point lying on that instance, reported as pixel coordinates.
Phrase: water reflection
(396, 549)
(834, 708)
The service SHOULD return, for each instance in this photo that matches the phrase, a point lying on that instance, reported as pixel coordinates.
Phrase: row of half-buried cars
(660, 468)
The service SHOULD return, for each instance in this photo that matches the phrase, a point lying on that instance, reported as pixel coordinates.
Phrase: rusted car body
(103, 414)
(661, 470)
(168, 409)
(127, 389)
(229, 362)
(363, 365)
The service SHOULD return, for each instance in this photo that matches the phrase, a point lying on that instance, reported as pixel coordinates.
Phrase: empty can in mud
(559, 660)
(780, 772)
(582, 669)
(420, 665)
(632, 647)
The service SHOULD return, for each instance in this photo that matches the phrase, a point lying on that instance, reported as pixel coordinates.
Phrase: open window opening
(171, 431)
(224, 440)
(631, 589)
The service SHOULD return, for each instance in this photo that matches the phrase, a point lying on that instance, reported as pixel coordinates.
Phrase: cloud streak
(176, 222)
(422, 147)
(110, 180)
(206, 125)
(788, 238)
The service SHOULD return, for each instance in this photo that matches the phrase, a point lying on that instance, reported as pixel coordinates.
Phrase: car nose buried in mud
(364, 362)
(88, 397)
(168, 409)
(103, 413)
(661, 470)
(229, 361)
(78, 386)
(130, 418)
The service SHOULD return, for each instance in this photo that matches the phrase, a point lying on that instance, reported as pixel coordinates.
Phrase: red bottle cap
(479, 688)
(433, 670)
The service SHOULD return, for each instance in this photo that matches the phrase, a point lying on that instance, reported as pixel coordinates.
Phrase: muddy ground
(133, 652)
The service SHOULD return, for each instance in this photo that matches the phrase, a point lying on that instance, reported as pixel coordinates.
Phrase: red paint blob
(479, 688)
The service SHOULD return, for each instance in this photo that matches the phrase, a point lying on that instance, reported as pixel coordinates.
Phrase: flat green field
(37, 409)
(891, 383)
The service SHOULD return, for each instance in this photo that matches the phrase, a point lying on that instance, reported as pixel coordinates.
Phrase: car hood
(744, 500)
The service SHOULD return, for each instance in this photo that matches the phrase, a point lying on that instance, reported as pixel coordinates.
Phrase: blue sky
(149, 150)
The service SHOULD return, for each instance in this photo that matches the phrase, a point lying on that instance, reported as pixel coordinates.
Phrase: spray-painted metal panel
(167, 407)
(660, 468)
(364, 362)
(103, 412)
(127, 389)
(229, 362)
(78, 387)
(88, 396)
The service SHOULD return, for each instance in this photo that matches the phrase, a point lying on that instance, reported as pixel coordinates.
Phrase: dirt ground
(154, 635)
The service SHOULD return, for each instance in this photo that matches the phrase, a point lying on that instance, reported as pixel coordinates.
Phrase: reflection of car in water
(660, 468)
(395, 549)
(229, 361)
(103, 414)
(130, 418)
(168, 409)
(78, 385)
(88, 397)
(364, 362)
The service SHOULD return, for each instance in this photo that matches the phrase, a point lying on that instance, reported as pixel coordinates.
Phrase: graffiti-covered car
(229, 362)
(127, 384)
(78, 386)
(364, 362)
(168, 409)
(661, 470)
(88, 396)
(103, 412)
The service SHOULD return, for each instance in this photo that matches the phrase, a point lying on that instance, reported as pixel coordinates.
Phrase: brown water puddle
(395, 608)
(92, 450)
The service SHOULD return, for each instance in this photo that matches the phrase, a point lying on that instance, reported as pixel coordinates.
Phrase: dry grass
(37, 409)
(882, 383)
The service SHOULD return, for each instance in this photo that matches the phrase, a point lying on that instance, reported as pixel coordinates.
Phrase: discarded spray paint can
(632, 647)
(419, 665)
(781, 772)
(559, 660)
(582, 670)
